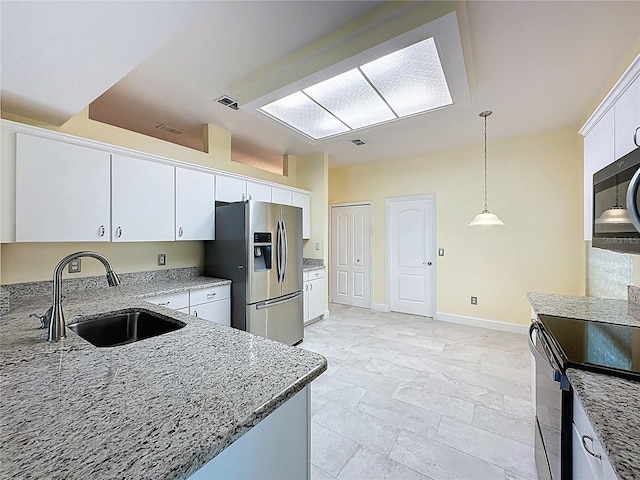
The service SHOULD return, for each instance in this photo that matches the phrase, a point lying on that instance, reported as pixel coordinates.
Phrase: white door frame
(388, 241)
(353, 204)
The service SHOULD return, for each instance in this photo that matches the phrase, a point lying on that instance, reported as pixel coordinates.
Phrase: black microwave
(616, 205)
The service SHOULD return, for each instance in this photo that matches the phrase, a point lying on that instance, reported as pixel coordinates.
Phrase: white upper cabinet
(282, 196)
(7, 186)
(195, 205)
(303, 200)
(142, 202)
(62, 192)
(258, 191)
(230, 189)
(627, 120)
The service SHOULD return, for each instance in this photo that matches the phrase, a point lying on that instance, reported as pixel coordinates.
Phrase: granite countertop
(158, 408)
(309, 264)
(612, 404)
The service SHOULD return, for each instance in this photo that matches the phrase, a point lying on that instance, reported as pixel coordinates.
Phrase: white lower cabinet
(213, 303)
(590, 462)
(278, 447)
(314, 294)
(174, 301)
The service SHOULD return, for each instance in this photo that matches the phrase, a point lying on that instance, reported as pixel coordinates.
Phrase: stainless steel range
(558, 343)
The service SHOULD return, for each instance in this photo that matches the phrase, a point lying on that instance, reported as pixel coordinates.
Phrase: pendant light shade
(485, 218)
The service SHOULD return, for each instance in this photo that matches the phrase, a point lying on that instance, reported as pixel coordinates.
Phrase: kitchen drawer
(313, 274)
(211, 294)
(174, 301)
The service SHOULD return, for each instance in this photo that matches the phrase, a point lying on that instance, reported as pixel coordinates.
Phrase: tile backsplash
(608, 273)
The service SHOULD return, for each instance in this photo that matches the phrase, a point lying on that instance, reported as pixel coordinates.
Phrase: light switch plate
(317, 245)
(474, 300)
(441, 252)
(162, 259)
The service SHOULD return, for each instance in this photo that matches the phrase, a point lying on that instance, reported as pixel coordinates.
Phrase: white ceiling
(538, 65)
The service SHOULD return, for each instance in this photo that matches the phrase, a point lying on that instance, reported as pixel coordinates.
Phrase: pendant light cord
(486, 208)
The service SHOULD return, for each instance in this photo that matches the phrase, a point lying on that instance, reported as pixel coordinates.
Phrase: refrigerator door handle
(278, 252)
(286, 250)
(263, 305)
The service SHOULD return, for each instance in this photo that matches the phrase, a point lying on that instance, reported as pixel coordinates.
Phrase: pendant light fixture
(616, 215)
(486, 218)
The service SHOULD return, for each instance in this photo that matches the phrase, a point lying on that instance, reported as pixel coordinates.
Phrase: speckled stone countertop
(612, 404)
(309, 264)
(158, 408)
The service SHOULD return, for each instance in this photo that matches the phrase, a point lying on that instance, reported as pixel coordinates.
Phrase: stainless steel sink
(124, 326)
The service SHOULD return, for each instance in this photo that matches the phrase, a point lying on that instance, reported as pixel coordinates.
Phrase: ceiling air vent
(228, 102)
(358, 142)
(170, 129)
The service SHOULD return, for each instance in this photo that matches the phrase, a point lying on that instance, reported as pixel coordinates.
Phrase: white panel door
(142, 200)
(259, 192)
(195, 205)
(350, 271)
(62, 192)
(411, 226)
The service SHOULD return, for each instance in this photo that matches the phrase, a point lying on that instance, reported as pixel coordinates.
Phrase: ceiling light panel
(300, 112)
(411, 80)
(352, 99)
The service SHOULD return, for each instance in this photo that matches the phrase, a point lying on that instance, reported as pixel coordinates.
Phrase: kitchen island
(158, 408)
(611, 404)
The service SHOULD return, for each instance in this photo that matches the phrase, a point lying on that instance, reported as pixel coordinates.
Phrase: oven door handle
(546, 359)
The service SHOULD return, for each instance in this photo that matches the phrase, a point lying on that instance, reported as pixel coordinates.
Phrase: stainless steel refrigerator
(258, 246)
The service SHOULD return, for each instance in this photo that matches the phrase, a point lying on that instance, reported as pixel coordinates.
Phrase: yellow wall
(34, 262)
(535, 186)
(313, 176)
(31, 262)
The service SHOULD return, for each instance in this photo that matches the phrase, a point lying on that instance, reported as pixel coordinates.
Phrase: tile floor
(407, 397)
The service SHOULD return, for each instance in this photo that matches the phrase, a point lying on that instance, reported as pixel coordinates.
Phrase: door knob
(429, 263)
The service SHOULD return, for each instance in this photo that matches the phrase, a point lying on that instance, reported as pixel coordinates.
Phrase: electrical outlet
(162, 259)
(441, 252)
(317, 245)
(75, 266)
(474, 300)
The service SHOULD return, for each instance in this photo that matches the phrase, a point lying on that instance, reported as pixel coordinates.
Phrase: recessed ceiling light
(358, 142)
(403, 83)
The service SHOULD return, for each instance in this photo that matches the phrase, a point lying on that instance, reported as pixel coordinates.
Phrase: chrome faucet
(54, 315)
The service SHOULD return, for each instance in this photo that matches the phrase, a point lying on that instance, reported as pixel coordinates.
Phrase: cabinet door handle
(211, 295)
(306, 287)
(589, 451)
(164, 303)
(195, 313)
(243, 197)
(635, 137)
(180, 232)
(101, 230)
(119, 232)
(311, 286)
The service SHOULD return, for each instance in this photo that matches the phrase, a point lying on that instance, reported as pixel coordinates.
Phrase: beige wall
(535, 186)
(313, 175)
(30, 262)
(35, 261)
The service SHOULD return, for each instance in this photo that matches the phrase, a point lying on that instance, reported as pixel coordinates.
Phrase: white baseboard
(326, 314)
(379, 307)
(481, 322)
